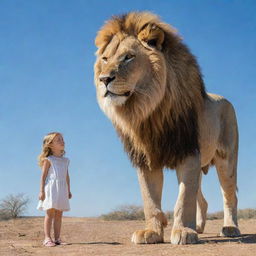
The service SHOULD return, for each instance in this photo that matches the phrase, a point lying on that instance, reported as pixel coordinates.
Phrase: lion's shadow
(88, 243)
(245, 238)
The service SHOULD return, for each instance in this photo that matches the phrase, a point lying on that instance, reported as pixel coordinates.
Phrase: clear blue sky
(46, 84)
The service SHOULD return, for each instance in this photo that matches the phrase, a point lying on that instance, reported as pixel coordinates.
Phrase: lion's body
(218, 130)
(150, 86)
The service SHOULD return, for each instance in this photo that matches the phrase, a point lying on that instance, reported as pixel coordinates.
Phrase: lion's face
(129, 72)
(119, 72)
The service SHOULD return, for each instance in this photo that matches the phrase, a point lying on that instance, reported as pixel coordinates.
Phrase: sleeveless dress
(56, 187)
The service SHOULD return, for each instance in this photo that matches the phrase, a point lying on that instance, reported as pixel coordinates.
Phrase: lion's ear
(151, 36)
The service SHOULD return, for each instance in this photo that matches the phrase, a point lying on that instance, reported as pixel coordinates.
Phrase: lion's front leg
(151, 184)
(184, 227)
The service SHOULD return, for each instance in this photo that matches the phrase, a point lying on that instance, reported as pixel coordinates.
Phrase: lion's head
(130, 68)
(146, 77)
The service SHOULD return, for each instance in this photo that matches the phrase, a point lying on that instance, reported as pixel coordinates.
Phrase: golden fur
(150, 86)
(166, 94)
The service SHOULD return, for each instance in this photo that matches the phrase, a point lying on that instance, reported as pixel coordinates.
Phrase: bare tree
(13, 206)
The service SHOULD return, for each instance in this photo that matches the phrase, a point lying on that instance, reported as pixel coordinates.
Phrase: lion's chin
(114, 100)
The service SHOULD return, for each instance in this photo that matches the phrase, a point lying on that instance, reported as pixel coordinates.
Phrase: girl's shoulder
(66, 159)
(48, 158)
(46, 161)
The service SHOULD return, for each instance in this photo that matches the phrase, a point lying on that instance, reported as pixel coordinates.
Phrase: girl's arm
(45, 169)
(68, 182)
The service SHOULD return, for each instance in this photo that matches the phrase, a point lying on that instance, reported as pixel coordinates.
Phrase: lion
(150, 86)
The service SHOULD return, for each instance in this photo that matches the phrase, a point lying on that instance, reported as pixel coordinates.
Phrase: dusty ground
(89, 236)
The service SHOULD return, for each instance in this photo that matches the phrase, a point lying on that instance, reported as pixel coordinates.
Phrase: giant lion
(150, 86)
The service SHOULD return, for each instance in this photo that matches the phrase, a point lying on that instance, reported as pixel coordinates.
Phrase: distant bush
(241, 214)
(125, 212)
(129, 212)
(133, 212)
(215, 216)
(13, 206)
(4, 215)
(247, 214)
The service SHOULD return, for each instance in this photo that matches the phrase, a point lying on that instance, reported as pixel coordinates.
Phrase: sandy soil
(89, 236)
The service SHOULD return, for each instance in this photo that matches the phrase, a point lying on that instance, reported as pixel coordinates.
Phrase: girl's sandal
(59, 242)
(48, 243)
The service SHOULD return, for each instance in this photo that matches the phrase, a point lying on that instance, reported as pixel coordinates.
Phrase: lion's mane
(168, 132)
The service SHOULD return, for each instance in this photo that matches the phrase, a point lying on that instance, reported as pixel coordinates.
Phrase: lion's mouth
(109, 93)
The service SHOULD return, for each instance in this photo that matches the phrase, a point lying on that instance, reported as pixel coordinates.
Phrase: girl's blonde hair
(46, 149)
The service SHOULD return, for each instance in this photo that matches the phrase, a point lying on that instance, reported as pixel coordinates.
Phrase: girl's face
(57, 144)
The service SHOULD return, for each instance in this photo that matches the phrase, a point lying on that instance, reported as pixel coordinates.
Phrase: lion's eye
(152, 42)
(129, 57)
(105, 59)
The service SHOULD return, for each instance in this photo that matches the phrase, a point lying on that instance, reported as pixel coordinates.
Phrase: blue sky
(46, 84)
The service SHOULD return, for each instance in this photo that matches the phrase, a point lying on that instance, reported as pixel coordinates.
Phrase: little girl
(55, 186)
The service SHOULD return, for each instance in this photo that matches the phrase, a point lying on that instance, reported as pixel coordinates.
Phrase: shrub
(129, 212)
(215, 216)
(246, 214)
(125, 212)
(133, 212)
(4, 215)
(13, 206)
(241, 214)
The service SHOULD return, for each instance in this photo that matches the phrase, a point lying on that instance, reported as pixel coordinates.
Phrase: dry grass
(125, 212)
(133, 212)
(247, 214)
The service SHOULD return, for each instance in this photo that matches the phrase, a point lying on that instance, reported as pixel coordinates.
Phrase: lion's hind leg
(201, 209)
(226, 169)
(225, 160)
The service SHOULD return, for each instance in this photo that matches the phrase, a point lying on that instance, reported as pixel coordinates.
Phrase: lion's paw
(146, 237)
(230, 231)
(184, 236)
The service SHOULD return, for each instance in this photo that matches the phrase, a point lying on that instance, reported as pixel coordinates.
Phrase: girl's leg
(49, 216)
(57, 223)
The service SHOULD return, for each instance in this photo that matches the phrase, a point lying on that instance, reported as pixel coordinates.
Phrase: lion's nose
(107, 79)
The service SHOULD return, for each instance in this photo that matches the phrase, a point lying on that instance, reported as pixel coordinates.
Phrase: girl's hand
(42, 196)
(69, 194)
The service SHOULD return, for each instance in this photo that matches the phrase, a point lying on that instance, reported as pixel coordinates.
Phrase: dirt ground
(88, 236)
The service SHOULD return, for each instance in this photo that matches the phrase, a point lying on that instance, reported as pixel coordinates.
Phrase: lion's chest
(158, 147)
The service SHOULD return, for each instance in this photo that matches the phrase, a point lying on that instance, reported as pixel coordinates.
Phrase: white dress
(56, 187)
